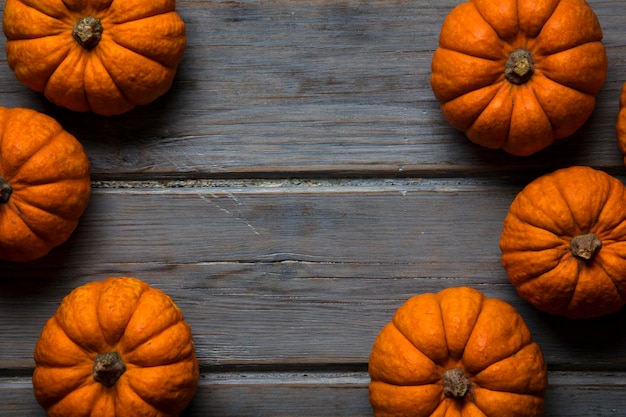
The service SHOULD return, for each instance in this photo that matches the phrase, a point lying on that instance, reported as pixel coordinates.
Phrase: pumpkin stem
(455, 383)
(519, 67)
(585, 246)
(88, 31)
(108, 368)
(5, 191)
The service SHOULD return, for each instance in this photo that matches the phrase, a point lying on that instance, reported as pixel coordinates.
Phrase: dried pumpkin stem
(519, 67)
(585, 246)
(5, 191)
(88, 31)
(108, 368)
(455, 383)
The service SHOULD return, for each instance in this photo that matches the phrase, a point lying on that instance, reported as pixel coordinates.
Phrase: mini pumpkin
(456, 352)
(563, 243)
(44, 184)
(117, 347)
(621, 122)
(517, 75)
(104, 56)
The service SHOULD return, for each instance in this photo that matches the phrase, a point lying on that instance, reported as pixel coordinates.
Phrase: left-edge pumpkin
(44, 184)
(115, 348)
(104, 56)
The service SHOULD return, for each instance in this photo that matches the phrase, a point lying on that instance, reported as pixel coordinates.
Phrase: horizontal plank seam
(382, 172)
(556, 379)
(299, 185)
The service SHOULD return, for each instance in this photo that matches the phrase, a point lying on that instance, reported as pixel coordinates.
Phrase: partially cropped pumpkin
(621, 122)
(104, 56)
(44, 184)
(114, 348)
(457, 353)
(517, 75)
(564, 243)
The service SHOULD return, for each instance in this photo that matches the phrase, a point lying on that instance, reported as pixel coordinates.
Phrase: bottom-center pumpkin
(456, 353)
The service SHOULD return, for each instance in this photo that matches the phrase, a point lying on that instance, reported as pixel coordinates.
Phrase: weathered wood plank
(294, 313)
(337, 394)
(569, 394)
(290, 275)
(287, 283)
(337, 87)
(417, 219)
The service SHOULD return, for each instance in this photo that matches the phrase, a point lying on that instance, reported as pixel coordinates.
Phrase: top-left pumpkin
(104, 56)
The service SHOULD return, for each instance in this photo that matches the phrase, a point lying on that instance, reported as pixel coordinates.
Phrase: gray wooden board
(297, 87)
(274, 275)
(310, 394)
(294, 187)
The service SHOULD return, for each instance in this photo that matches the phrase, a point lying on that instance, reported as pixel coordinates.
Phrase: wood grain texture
(295, 186)
(319, 268)
(332, 87)
(311, 394)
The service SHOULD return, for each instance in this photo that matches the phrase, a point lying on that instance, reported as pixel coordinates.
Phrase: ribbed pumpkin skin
(48, 171)
(477, 40)
(621, 123)
(135, 61)
(539, 228)
(457, 328)
(124, 315)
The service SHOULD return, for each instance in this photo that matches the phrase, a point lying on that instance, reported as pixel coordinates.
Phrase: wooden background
(294, 187)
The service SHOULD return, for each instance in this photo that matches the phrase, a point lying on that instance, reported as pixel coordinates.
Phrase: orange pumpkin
(563, 243)
(115, 348)
(621, 122)
(44, 184)
(517, 75)
(457, 353)
(105, 56)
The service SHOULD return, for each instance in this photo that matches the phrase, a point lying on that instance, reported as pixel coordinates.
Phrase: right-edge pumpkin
(517, 75)
(621, 122)
(563, 243)
(456, 352)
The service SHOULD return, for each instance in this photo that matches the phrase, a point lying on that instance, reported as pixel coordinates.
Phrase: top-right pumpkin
(517, 75)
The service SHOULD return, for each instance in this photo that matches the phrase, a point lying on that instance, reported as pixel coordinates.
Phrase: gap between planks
(314, 184)
(588, 380)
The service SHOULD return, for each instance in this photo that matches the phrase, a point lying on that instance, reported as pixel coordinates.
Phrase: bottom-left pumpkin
(115, 348)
